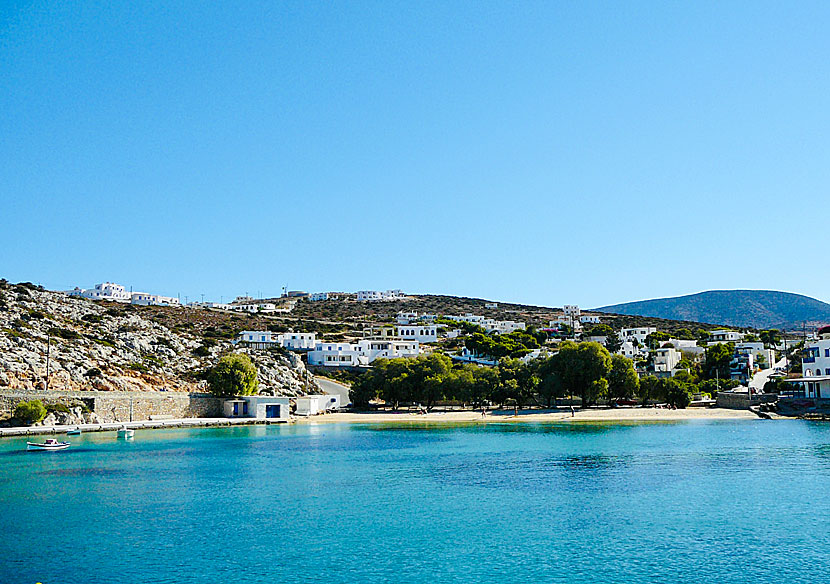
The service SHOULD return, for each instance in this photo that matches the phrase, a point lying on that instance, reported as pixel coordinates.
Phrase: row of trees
(586, 370)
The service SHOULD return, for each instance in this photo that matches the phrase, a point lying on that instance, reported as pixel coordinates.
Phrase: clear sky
(547, 153)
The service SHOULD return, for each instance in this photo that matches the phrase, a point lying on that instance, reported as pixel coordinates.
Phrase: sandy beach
(622, 415)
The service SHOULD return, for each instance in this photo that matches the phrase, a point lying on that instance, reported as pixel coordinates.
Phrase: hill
(116, 347)
(760, 309)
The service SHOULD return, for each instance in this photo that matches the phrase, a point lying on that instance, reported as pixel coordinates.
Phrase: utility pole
(48, 350)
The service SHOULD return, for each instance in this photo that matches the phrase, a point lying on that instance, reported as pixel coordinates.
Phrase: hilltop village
(314, 352)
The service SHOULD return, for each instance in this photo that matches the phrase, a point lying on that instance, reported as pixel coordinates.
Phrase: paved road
(760, 379)
(333, 388)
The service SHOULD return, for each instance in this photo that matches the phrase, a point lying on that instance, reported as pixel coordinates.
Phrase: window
(827, 352)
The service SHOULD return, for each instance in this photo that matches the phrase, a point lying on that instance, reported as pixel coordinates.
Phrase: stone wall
(116, 406)
(739, 401)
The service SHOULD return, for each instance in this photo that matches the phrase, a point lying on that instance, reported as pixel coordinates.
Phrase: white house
(725, 336)
(639, 334)
(627, 349)
(290, 340)
(311, 405)
(489, 324)
(361, 353)
(589, 319)
(104, 291)
(298, 341)
(815, 366)
(763, 357)
(423, 333)
(491, 305)
(666, 359)
(406, 317)
(504, 327)
(336, 355)
(318, 296)
(258, 406)
(378, 296)
(145, 299)
(255, 307)
(686, 346)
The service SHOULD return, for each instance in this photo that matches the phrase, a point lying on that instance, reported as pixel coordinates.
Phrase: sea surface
(700, 501)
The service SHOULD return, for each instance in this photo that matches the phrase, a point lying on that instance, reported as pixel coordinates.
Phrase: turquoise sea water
(737, 502)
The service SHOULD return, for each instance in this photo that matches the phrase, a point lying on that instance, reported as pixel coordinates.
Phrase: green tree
(622, 378)
(654, 339)
(648, 388)
(233, 375)
(550, 382)
(30, 412)
(770, 338)
(581, 367)
(600, 330)
(674, 393)
(716, 362)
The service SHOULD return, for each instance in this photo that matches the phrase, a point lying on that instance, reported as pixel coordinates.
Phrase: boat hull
(39, 446)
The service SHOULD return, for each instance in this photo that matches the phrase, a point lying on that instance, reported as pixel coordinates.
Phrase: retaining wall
(117, 406)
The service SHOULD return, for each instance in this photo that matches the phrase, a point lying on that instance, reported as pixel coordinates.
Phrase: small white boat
(126, 433)
(74, 432)
(50, 444)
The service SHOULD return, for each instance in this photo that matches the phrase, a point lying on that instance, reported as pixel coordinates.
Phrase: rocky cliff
(113, 347)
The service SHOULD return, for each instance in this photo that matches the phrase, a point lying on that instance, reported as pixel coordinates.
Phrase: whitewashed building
(379, 296)
(423, 333)
(725, 336)
(104, 291)
(255, 307)
(145, 299)
(289, 340)
(666, 359)
(628, 349)
(318, 296)
(491, 305)
(311, 405)
(639, 334)
(815, 366)
(589, 319)
(687, 346)
(258, 406)
(361, 353)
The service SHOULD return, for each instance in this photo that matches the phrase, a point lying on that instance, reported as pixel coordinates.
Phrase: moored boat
(50, 444)
(74, 432)
(126, 433)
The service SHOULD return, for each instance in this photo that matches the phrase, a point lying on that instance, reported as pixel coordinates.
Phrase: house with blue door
(263, 407)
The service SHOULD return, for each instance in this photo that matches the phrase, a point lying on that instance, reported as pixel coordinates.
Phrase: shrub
(92, 318)
(63, 333)
(201, 351)
(233, 375)
(139, 367)
(93, 372)
(30, 412)
(57, 407)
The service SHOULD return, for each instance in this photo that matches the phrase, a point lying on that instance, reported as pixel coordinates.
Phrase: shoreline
(616, 415)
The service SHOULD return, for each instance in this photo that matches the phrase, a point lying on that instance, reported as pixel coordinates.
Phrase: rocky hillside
(113, 347)
(760, 309)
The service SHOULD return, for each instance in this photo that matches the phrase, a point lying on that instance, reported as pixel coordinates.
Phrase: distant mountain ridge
(761, 309)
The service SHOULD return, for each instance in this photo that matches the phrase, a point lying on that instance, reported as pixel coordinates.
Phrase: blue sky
(546, 153)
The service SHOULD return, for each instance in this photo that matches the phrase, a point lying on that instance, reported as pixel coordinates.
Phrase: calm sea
(702, 502)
